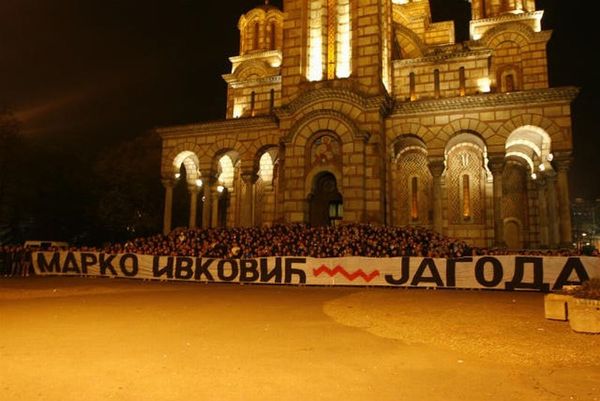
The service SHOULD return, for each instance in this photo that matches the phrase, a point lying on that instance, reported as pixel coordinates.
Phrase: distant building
(586, 223)
(367, 111)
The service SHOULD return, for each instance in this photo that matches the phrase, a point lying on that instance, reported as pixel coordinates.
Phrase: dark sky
(98, 72)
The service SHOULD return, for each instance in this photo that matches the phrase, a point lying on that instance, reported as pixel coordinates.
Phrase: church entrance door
(325, 201)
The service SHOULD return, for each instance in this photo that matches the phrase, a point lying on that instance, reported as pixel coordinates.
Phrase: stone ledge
(494, 100)
(223, 126)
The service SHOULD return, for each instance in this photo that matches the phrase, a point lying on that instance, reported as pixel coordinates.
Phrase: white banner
(513, 272)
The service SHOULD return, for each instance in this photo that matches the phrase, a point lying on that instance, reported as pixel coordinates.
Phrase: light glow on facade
(238, 109)
(266, 168)
(227, 171)
(524, 157)
(533, 146)
(484, 84)
(329, 40)
(344, 40)
(315, 46)
(386, 76)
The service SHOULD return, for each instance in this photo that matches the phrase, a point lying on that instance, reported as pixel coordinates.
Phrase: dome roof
(267, 6)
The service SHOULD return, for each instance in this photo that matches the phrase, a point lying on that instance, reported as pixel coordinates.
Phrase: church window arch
(271, 100)
(462, 81)
(466, 176)
(466, 196)
(273, 35)
(411, 182)
(329, 39)
(253, 103)
(414, 204)
(508, 79)
(256, 37)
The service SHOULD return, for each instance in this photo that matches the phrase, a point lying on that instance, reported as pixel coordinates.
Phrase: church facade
(367, 111)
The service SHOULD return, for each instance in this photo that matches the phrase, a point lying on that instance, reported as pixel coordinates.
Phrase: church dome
(261, 29)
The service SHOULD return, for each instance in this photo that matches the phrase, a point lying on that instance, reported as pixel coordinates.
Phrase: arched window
(436, 83)
(227, 171)
(412, 86)
(273, 36)
(329, 39)
(508, 79)
(252, 103)
(255, 42)
(462, 81)
(265, 171)
(343, 38)
(414, 196)
(272, 101)
(466, 195)
(509, 82)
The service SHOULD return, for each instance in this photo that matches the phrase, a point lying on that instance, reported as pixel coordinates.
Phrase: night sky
(99, 72)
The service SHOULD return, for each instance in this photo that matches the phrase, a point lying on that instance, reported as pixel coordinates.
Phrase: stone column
(214, 206)
(553, 215)
(496, 164)
(247, 205)
(169, 184)
(436, 166)
(563, 163)
(193, 190)
(208, 182)
(543, 213)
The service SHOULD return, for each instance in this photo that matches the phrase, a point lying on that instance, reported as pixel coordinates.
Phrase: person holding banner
(3, 261)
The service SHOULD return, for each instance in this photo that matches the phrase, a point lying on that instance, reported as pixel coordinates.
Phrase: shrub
(588, 290)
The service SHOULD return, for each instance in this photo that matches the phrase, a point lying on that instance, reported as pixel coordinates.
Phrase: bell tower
(331, 41)
(492, 8)
(486, 14)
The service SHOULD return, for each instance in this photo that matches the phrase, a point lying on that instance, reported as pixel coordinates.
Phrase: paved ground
(99, 339)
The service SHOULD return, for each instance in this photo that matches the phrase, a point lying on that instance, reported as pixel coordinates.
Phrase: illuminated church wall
(368, 111)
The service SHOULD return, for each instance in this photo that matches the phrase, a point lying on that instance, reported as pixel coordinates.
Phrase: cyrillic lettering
(248, 270)
(538, 274)
(404, 273)
(70, 264)
(572, 265)
(290, 271)
(158, 271)
(427, 264)
(88, 260)
(183, 268)
(106, 263)
(451, 269)
(497, 272)
(266, 275)
(45, 267)
(202, 269)
(221, 270)
(132, 270)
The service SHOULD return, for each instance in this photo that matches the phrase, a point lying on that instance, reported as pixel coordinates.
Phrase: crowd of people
(285, 240)
(15, 260)
(298, 240)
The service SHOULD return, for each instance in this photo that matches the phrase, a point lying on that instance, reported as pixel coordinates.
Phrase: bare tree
(10, 144)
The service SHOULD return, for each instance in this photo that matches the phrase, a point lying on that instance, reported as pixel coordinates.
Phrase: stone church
(345, 111)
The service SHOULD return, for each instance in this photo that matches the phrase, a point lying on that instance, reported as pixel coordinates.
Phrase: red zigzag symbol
(350, 276)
